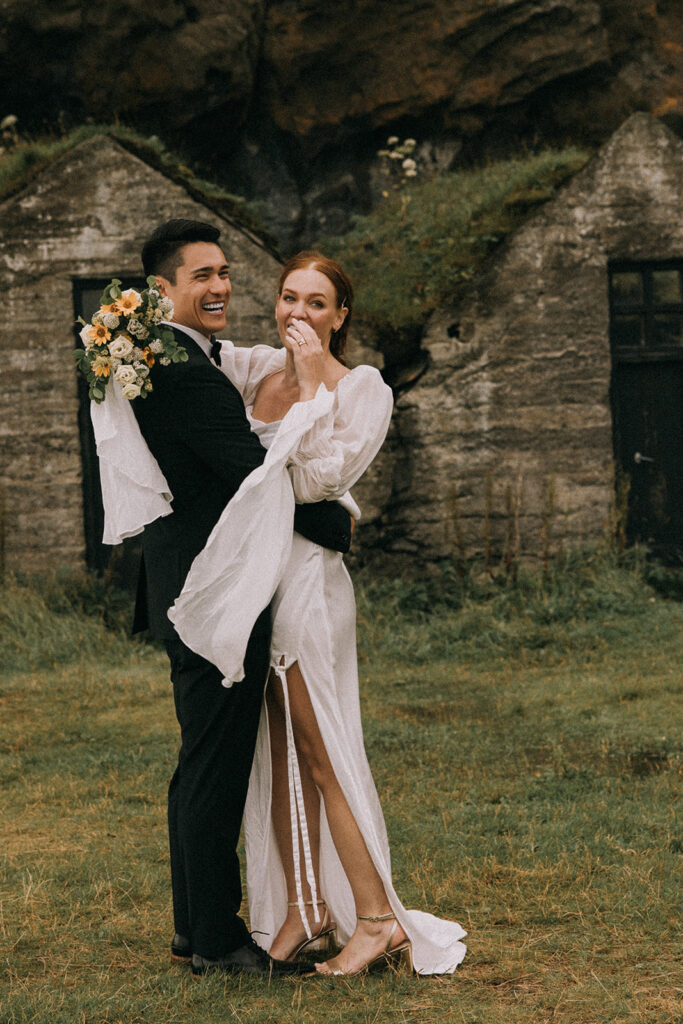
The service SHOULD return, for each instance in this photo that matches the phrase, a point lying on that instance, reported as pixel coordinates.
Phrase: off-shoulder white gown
(317, 451)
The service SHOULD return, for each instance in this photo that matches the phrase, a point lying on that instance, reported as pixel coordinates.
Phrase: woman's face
(309, 295)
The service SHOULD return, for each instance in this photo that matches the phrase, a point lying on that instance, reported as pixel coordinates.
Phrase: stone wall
(506, 440)
(86, 216)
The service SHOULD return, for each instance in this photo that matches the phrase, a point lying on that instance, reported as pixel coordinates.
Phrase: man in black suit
(195, 425)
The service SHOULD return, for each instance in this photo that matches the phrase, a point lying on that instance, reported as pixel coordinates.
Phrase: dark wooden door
(647, 401)
(646, 334)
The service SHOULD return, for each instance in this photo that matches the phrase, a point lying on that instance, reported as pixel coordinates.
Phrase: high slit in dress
(318, 450)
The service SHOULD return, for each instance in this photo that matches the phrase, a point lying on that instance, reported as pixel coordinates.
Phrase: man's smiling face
(201, 290)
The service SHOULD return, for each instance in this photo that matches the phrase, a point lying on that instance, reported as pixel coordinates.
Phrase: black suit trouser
(207, 793)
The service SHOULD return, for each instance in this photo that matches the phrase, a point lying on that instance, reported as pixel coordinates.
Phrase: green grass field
(526, 748)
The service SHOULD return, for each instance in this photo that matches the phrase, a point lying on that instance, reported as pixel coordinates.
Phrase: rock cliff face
(289, 99)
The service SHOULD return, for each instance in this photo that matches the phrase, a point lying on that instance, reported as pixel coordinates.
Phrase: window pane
(667, 330)
(89, 301)
(666, 286)
(627, 287)
(626, 330)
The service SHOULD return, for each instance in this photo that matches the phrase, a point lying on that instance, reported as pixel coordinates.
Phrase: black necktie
(215, 350)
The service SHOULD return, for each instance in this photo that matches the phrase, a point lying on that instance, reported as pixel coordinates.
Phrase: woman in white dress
(318, 861)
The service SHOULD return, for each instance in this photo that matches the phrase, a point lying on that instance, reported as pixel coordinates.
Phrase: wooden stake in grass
(486, 527)
(547, 518)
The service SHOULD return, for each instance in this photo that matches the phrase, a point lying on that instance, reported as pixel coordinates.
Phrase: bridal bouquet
(125, 338)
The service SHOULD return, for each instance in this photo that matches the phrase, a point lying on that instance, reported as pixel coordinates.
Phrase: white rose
(126, 375)
(121, 346)
(130, 391)
(87, 336)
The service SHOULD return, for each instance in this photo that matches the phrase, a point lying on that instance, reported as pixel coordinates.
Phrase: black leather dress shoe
(180, 949)
(248, 959)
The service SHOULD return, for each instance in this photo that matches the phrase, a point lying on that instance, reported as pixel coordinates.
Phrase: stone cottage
(79, 223)
(550, 412)
(551, 409)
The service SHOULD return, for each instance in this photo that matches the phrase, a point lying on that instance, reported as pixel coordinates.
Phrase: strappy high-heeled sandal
(325, 937)
(399, 956)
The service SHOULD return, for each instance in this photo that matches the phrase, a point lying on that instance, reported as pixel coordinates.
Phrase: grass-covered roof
(21, 163)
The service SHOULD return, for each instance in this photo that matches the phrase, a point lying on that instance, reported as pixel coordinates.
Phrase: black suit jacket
(195, 426)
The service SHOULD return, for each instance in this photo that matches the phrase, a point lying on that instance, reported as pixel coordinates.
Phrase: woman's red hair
(311, 259)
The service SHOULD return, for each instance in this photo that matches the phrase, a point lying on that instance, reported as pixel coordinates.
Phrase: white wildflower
(156, 346)
(392, 140)
(138, 330)
(110, 321)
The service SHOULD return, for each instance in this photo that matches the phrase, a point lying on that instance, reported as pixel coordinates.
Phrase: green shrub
(420, 245)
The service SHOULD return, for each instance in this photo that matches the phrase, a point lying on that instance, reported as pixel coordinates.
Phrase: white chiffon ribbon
(134, 490)
(235, 576)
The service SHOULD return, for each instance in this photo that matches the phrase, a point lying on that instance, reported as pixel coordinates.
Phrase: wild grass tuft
(53, 619)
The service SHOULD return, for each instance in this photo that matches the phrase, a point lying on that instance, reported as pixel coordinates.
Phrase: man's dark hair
(161, 251)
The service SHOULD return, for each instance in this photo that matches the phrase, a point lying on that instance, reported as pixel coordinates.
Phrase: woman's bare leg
(292, 931)
(369, 939)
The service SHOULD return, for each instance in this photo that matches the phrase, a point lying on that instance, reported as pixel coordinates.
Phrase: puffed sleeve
(338, 449)
(247, 367)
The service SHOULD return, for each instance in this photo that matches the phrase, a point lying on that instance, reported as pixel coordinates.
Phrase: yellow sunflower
(129, 301)
(100, 334)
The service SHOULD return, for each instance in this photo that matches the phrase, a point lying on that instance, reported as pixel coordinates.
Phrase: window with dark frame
(646, 309)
